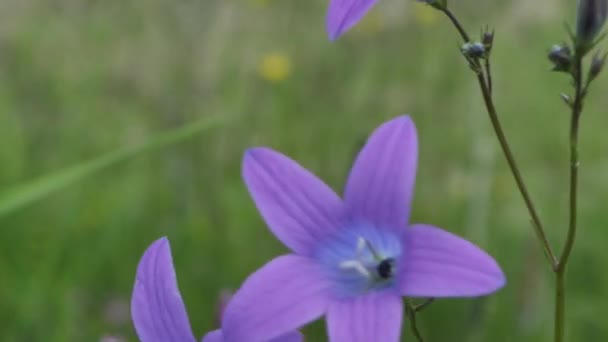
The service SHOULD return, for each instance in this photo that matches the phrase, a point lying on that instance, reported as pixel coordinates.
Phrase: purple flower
(344, 14)
(157, 308)
(352, 259)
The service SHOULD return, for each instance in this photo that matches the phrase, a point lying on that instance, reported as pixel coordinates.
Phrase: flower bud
(590, 17)
(487, 39)
(561, 56)
(566, 99)
(473, 50)
(597, 64)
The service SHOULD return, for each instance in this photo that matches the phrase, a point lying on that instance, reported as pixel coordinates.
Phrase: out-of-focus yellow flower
(371, 24)
(275, 67)
(425, 15)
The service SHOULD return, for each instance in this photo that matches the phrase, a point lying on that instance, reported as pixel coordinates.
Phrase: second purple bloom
(344, 14)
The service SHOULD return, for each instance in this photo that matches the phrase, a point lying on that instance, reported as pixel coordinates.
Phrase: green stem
(577, 109)
(488, 74)
(502, 139)
(560, 286)
(456, 23)
(421, 306)
(560, 307)
(411, 311)
(491, 109)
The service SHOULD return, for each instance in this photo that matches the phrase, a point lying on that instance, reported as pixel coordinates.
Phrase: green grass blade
(27, 193)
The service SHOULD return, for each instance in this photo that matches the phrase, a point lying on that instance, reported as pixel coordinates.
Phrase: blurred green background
(81, 79)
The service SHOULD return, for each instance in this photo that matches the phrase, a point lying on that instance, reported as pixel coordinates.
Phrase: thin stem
(560, 307)
(491, 109)
(577, 109)
(560, 286)
(488, 74)
(411, 311)
(536, 223)
(461, 30)
(421, 306)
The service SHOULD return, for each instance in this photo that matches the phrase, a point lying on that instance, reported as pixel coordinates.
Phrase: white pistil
(356, 265)
(361, 243)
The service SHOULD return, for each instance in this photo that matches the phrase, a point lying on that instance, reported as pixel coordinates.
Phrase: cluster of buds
(477, 50)
(590, 19)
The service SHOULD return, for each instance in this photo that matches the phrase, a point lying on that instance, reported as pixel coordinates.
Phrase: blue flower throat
(362, 260)
(379, 269)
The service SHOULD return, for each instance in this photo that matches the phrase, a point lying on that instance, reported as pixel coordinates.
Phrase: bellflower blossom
(352, 259)
(157, 309)
(344, 14)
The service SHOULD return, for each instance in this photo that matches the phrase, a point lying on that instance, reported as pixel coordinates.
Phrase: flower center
(385, 268)
(361, 260)
(378, 269)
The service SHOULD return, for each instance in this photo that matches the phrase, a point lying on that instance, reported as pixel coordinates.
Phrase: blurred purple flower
(354, 258)
(157, 308)
(344, 14)
(110, 338)
(116, 311)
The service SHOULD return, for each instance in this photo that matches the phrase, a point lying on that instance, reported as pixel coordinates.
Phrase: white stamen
(357, 266)
(361, 244)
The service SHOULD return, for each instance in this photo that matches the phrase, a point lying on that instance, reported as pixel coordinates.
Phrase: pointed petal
(344, 14)
(282, 296)
(381, 183)
(299, 208)
(213, 336)
(376, 316)
(293, 336)
(157, 308)
(440, 264)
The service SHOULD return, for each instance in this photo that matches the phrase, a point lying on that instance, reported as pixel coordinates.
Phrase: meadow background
(124, 121)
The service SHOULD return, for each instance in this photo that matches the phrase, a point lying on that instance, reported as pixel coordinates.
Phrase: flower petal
(299, 208)
(373, 317)
(157, 308)
(381, 183)
(344, 14)
(440, 264)
(293, 336)
(213, 336)
(283, 295)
